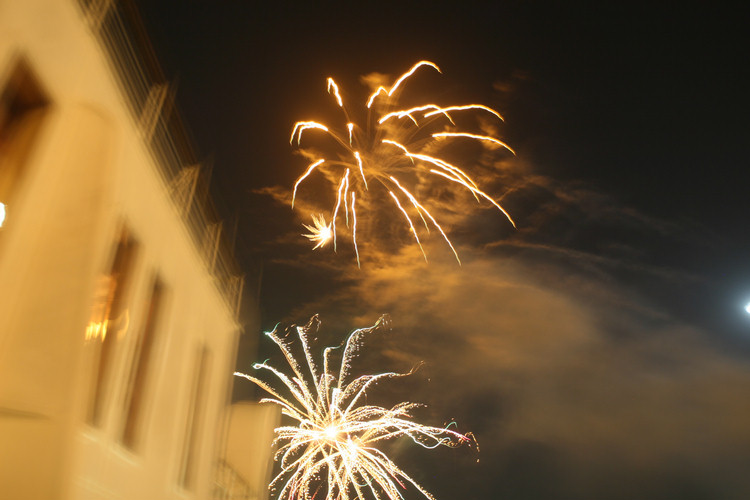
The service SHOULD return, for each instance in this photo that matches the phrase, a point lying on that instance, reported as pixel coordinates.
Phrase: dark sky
(600, 350)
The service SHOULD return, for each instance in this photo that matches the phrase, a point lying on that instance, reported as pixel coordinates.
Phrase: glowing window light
(2, 213)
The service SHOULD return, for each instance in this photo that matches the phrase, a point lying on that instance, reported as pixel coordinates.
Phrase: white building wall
(249, 439)
(89, 175)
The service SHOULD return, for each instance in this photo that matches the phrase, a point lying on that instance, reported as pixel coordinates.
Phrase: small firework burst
(320, 232)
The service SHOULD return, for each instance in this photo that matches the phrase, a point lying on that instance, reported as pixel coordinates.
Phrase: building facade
(118, 299)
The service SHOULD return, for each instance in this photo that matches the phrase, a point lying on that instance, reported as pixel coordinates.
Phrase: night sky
(600, 350)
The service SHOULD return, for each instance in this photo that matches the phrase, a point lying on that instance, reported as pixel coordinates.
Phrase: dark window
(141, 367)
(194, 420)
(22, 105)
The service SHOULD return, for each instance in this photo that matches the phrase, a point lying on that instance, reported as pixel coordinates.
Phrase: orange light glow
(97, 330)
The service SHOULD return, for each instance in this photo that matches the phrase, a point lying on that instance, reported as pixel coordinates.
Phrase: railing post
(211, 245)
(235, 285)
(153, 108)
(183, 186)
(96, 11)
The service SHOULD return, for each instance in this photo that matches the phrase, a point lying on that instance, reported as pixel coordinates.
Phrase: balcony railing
(230, 485)
(150, 99)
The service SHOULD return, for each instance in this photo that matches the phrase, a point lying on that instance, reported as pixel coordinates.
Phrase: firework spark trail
(379, 164)
(474, 136)
(354, 229)
(332, 447)
(308, 172)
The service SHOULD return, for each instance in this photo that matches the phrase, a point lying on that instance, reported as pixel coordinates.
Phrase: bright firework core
(390, 156)
(320, 232)
(331, 452)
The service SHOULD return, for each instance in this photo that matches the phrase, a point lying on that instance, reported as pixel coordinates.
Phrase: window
(109, 320)
(22, 105)
(194, 420)
(141, 367)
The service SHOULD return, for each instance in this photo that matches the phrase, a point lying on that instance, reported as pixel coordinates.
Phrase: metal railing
(150, 100)
(230, 485)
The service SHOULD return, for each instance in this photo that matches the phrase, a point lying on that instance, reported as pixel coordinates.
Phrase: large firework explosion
(331, 452)
(387, 157)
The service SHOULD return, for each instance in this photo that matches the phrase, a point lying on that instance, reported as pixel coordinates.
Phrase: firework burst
(331, 452)
(390, 154)
(320, 232)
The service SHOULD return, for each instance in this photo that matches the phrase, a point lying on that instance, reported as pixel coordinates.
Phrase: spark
(361, 169)
(476, 192)
(376, 94)
(320, 232)
(398, 145)
(392, 155)
(444, 165)
(354, 230)
(411, 225)
(332, 85)
(300, 127)
(343, 187)
(427, 213)
(410, 113)
(302, 178)
(332, 448)
(408, 74)
(445, 111)
(475, 136)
